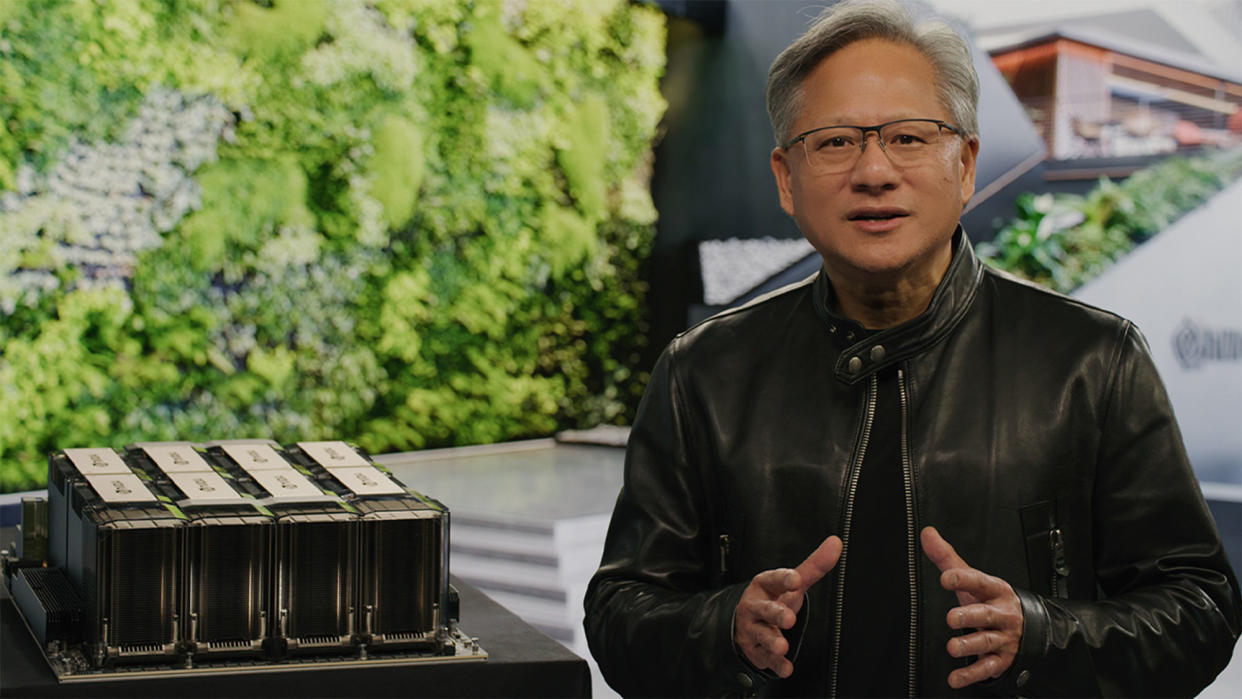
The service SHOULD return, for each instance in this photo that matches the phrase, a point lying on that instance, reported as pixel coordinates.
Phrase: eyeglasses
(907, 142)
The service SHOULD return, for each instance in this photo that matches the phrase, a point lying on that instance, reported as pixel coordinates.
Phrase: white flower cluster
(103, 204)
(363, 43)
(306, 306)
(367, 211)
(372, 228)
(517, 142)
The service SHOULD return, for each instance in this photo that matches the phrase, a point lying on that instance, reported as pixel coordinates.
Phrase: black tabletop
(522, 662)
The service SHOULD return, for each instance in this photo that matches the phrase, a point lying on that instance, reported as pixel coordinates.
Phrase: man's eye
(906, 139)
(836, 142)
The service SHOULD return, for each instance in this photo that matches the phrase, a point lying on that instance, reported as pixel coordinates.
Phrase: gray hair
(848, 22)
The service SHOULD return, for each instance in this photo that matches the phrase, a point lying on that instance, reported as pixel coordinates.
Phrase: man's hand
(771, 603)
(988, 604)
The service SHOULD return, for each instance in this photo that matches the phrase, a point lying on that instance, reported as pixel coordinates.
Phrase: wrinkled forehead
(869, 81)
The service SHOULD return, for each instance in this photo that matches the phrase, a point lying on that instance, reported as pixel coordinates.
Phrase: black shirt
(875, 634)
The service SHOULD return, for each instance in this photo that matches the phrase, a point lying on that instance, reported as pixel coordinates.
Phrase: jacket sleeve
(1167, 618)
(653, 621)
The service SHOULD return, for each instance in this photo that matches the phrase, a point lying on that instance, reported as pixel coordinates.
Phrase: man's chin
(882, 259)
(870, 266)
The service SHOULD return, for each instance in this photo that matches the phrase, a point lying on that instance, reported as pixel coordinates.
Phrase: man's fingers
(771, 603)
(978, 643)
(998, 622)
(779, 664)
(765, 648)
(783, 668)
(777, 582)
(945, 557)
(984, 616)
(767, 639)
(793, 600)
(772, 613)
(821, 560)
(940, 551)
(985, 668)
(764, 659)
(974, 582)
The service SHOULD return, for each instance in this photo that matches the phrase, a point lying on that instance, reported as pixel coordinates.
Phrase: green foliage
(398, 167)
(75, 69)
(56, 380)
(279, 33)
(1063, 241)
(424, 226)
(514, 73)
(582, 158)
(53, 83)
(244, 204)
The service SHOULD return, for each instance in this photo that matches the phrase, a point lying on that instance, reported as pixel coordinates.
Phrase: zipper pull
(724, 552)
(1057, 540)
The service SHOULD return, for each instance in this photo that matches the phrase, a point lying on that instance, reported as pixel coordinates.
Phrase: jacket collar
(861, 354)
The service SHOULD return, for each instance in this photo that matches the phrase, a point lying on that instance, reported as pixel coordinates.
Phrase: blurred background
(408, 224)
(420, 225)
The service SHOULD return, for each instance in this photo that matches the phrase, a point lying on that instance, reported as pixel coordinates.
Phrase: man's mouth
(875, 214)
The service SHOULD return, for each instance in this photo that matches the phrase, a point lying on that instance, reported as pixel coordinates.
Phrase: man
(986, 476)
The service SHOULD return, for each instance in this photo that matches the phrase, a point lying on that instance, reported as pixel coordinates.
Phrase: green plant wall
(408, 223)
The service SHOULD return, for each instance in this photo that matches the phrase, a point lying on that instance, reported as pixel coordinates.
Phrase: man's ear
(969, 154)
(784, 179)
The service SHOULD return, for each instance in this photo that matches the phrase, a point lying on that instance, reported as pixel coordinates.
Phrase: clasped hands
(986, 604)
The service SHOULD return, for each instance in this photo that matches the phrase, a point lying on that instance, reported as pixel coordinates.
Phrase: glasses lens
(907, 143)
(910, 142)
(833, 150)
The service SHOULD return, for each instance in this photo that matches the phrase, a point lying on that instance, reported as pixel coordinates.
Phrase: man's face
(877, 222)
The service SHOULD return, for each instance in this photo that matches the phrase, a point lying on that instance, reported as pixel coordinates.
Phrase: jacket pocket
(1047, 560)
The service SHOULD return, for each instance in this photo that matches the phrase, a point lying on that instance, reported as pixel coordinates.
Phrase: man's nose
(874, 169)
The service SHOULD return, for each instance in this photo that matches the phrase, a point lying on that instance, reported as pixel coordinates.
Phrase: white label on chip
(333, 454)
(102, 461)
(203, 485)
(256, 457)
(286, 484)
(366, 480)
(177, 458)
(120, 487)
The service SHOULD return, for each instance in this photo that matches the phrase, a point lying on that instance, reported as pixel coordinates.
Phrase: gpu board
(71, 665)
(234, 556)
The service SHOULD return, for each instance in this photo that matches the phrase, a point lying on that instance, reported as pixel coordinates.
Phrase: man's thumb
(821, 560)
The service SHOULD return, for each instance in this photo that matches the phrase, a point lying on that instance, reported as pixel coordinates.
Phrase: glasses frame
(862, 145)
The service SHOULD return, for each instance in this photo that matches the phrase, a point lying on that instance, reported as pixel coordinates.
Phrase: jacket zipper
(851, 487)
(907, 473)
(1060, 567)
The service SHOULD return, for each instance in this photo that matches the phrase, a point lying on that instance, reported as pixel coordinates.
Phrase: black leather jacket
(1038, 439)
